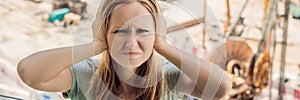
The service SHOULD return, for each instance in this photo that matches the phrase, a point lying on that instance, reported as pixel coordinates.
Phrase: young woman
(128, 33)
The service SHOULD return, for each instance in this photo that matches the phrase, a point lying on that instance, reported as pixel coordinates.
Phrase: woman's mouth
(132, 54)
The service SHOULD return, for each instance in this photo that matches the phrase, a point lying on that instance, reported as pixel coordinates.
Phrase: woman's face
(131, 35)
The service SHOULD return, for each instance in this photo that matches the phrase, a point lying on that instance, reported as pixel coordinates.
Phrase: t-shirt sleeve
(172, 75)
(82, 73)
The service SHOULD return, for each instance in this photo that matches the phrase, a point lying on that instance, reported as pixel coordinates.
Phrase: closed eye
(120, 31)
(142, 31)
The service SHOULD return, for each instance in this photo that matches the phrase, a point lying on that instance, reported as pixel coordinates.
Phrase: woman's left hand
(160, 36)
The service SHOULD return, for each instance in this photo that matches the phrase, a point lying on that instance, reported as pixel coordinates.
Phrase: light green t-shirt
(83, 71)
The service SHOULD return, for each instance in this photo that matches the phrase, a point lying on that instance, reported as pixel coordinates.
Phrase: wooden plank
(185, 25)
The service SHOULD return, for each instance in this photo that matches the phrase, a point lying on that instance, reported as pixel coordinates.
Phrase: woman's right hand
(99, 43)
(98, 36)
(99, 46)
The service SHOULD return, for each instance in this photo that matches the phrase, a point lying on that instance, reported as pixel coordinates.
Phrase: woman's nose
(131, 41)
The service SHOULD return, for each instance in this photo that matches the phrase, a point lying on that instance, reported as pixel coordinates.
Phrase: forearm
(198, 70)
(43, 66)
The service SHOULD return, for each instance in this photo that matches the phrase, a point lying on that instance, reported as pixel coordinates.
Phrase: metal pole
(9, 97)
(233, 25)
(227, 23)
(204, 27)
(274, 48)
(266, 8)
(283, 52)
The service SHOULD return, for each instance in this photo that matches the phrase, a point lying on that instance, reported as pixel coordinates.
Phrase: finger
(161, 24)
(97, 23)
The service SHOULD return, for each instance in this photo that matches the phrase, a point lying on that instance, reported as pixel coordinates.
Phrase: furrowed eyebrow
(131, 25)
(115, 26)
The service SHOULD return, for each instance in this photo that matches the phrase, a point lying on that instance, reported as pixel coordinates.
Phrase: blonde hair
(106, 80)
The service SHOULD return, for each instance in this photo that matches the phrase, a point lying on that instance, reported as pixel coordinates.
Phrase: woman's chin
(129, 64)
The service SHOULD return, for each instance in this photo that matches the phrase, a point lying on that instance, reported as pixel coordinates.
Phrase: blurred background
(254, 41)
